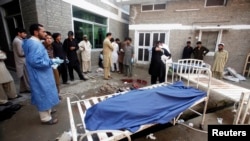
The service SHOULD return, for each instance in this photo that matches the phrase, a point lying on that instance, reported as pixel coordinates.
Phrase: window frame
(219, 38)
(12, 16)
(224, 4)
(153, 7)
(151, 43)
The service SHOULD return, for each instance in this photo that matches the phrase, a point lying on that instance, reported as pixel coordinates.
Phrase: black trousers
(121, 67)
(63, 72)
(154, 79)
(75, 65)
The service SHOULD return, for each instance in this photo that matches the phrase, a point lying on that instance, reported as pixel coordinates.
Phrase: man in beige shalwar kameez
(220, 59)
(107, 52)
(7, 85)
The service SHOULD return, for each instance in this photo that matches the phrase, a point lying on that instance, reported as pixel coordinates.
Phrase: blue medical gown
(44, 94)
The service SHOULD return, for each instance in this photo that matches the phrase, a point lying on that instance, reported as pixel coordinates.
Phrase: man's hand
(158, 49)
(72, 48)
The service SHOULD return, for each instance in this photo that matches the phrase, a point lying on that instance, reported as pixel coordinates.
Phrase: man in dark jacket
(187, 51)
(200, 51)
(59, 52)
(157, 68)
(70, 46)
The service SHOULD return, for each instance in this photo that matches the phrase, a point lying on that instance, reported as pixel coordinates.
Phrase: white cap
(221, 44)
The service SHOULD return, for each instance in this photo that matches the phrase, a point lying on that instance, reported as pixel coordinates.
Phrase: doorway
(144, 41)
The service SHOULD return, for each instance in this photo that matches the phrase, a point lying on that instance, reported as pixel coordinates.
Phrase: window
(215, 3)
(125, 16)
(147, 7)
(153, 7)
(82, 14)
(159, 6)
(94, 26)
(11, 18)
(210, 39)
(145, 41)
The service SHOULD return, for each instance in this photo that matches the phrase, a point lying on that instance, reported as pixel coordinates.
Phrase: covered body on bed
(116, 116)
(142, 106)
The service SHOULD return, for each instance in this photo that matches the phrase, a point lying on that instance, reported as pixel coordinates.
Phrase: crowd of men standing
(220, 56)
(117, 56)
(42, 60)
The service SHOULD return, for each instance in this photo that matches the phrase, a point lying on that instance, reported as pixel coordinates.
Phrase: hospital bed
(88, 117)
(240, 95)
(217, 86)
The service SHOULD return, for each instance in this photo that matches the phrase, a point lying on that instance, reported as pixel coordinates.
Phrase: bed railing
(242, 115)
(191, 67)
(178, 68)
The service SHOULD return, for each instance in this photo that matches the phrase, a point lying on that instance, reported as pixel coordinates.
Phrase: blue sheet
(138, 107)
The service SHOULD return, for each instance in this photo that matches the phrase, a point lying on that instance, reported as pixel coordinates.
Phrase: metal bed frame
(240, 95)
(78, 109)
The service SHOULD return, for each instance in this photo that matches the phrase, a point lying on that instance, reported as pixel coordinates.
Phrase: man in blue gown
(43, 88)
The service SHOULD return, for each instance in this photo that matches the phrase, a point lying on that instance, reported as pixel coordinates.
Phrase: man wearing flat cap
(220, 59)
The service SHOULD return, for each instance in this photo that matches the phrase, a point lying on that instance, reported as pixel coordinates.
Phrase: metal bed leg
(246, 110)
(204, 114)
(237, 116)
(71, 119)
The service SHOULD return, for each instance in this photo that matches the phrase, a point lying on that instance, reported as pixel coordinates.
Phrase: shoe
(65, 83)
(109, 77)
(18, 96)
(27, 91)
(89, 71)
(6, 104)
(106, 78)
(84, 79)
(53, 111)
(60, 97)
(51, 122)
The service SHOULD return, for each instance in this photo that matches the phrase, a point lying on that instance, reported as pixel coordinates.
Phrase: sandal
(53, 111)
(18, 96)
(51, 122)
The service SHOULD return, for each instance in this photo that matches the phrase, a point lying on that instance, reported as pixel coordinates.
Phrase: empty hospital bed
(116, 116)
(240, 95)
(217, 86)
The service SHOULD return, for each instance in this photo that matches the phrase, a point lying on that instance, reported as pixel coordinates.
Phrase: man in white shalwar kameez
(115, 63)
(19, 57)
(85, 48)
